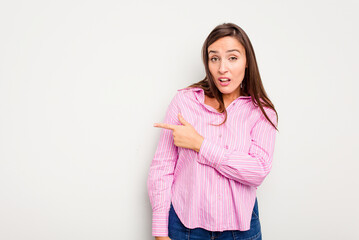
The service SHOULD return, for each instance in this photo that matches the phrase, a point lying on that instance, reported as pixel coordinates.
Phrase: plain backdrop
(82, 82)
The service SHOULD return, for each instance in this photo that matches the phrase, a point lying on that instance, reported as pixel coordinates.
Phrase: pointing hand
(184, 135)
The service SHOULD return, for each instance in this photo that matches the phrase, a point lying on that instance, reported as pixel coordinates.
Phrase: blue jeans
(177, 231)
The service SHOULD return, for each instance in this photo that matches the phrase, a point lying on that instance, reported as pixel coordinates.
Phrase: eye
(214, 59)
(233, 58)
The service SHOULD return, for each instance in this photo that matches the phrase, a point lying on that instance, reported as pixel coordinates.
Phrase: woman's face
(227, 62)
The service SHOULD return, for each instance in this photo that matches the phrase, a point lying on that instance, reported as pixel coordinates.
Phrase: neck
(230, 98)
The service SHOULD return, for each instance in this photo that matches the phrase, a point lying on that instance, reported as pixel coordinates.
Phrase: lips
(224, 79)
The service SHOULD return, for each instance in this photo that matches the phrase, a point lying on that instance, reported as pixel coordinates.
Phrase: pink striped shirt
(214, 188)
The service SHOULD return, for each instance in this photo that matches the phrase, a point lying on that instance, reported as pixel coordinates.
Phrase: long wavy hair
(251, 84)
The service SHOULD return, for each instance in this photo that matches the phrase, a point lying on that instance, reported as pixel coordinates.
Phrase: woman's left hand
(184, 135)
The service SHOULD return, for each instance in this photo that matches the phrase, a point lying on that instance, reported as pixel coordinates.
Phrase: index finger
(165, 125)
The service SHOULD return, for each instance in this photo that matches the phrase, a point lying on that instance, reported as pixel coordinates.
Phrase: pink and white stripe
(214, 189)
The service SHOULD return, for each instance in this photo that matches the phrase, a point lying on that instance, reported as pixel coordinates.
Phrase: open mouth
(224, 79)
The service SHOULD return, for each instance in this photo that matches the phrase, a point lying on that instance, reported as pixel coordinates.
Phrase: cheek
(239, 69)
(211, 68)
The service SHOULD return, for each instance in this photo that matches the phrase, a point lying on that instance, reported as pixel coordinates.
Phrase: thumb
(182, 120)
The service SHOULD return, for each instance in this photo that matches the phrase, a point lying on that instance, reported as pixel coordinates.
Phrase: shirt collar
(199, 93)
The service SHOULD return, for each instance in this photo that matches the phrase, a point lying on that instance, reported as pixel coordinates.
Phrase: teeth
(223, 79)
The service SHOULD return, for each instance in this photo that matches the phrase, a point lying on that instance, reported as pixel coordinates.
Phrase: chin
(227, 91)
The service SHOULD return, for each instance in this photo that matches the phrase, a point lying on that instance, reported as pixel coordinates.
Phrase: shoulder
(183, 96)
(189, 90)
(271, 115)
(187, 93)
(257, 110)
(259, 115)
(269, 111)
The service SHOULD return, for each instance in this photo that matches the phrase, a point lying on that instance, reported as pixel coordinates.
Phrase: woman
(216, 147)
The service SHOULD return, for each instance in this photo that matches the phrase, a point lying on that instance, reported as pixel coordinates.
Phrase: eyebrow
(232, 50)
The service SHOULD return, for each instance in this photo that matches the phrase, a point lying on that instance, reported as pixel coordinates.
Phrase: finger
(165, 125)
(182, 120)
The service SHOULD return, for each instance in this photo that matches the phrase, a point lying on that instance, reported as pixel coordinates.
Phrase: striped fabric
(214, 188)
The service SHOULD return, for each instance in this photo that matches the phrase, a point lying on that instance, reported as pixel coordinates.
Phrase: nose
(223, 67)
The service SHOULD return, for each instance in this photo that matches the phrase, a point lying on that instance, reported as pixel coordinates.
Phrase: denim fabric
(177, 231)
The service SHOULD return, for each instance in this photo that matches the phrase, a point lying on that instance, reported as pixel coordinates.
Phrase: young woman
(216, 147)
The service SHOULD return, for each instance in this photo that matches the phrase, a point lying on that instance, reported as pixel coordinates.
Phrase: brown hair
(251, 84)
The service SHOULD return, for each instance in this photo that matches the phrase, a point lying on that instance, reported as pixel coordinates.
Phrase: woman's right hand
(162, 238)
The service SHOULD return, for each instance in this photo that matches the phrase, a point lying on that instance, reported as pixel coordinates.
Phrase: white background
(82, 82)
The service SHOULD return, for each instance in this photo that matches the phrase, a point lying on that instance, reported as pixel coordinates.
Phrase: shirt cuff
(160, 224)
(211, 153)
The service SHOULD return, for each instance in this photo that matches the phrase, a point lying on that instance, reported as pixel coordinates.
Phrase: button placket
(221, 119)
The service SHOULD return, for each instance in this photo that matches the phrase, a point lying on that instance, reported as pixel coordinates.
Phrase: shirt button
(220, 135)
(226, 146)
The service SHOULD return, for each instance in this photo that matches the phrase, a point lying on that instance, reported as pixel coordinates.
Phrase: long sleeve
(160, 176)
(247, 168)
